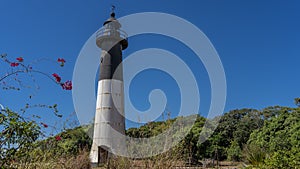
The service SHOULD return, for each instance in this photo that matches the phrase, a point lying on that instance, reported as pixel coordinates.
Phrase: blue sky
(258, 43)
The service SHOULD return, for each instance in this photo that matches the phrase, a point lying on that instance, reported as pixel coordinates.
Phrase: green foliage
(192, 150)
(19, 145)
(254, 155)
(16, 137)
(231, 134)
(71, 143)
(234, 151)
(234, 126)
(280, 138)
(150, 129)
(75, 140)
(264, 139)
(71, 151)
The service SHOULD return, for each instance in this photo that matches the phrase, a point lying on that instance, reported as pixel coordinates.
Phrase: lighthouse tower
(109, 116)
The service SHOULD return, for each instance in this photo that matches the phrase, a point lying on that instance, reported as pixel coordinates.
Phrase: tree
(279, 137)
(20, 132)
(234, 127)
(17, 136)
(234, 152)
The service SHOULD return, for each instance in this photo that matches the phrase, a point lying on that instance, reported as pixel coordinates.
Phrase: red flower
(67, 85)
(62, 61)
(57, 138)
(14, 64)
(20, 59)
(57, 77)
(45, 125)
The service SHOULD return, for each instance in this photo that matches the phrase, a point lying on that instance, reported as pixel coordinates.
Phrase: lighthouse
(109, 115)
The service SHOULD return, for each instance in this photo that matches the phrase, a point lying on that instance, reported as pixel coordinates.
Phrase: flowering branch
(28, 69)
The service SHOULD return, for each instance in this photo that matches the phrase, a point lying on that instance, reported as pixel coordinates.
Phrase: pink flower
(20, 59)
(45, 125)
(62, 61)
(67, 85)
(14, 64)
(57, 77)
(57, 138)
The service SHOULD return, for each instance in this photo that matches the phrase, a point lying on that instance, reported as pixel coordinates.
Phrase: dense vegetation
(267, 138)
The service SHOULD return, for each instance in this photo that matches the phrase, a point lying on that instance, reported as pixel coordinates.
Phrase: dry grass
(168, 160)
(81, 161)
(123, 163)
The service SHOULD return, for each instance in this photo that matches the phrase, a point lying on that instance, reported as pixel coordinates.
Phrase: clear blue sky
(258, 43)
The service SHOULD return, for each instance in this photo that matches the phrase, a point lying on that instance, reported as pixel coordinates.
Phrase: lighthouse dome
(112, 22)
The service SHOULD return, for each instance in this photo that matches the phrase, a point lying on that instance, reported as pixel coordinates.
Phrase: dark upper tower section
(112, 40)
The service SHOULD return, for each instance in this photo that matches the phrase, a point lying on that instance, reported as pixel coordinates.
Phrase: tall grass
(46, 161)
(167, 160)
(254, 155)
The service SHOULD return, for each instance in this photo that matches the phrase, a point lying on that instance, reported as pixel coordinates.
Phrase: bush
(17, 136)
(234, 152)
(254, 155)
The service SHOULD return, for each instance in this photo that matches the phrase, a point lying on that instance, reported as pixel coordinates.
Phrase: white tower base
(109, 125)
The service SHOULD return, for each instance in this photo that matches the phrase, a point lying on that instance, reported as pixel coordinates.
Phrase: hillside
(263, 138)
